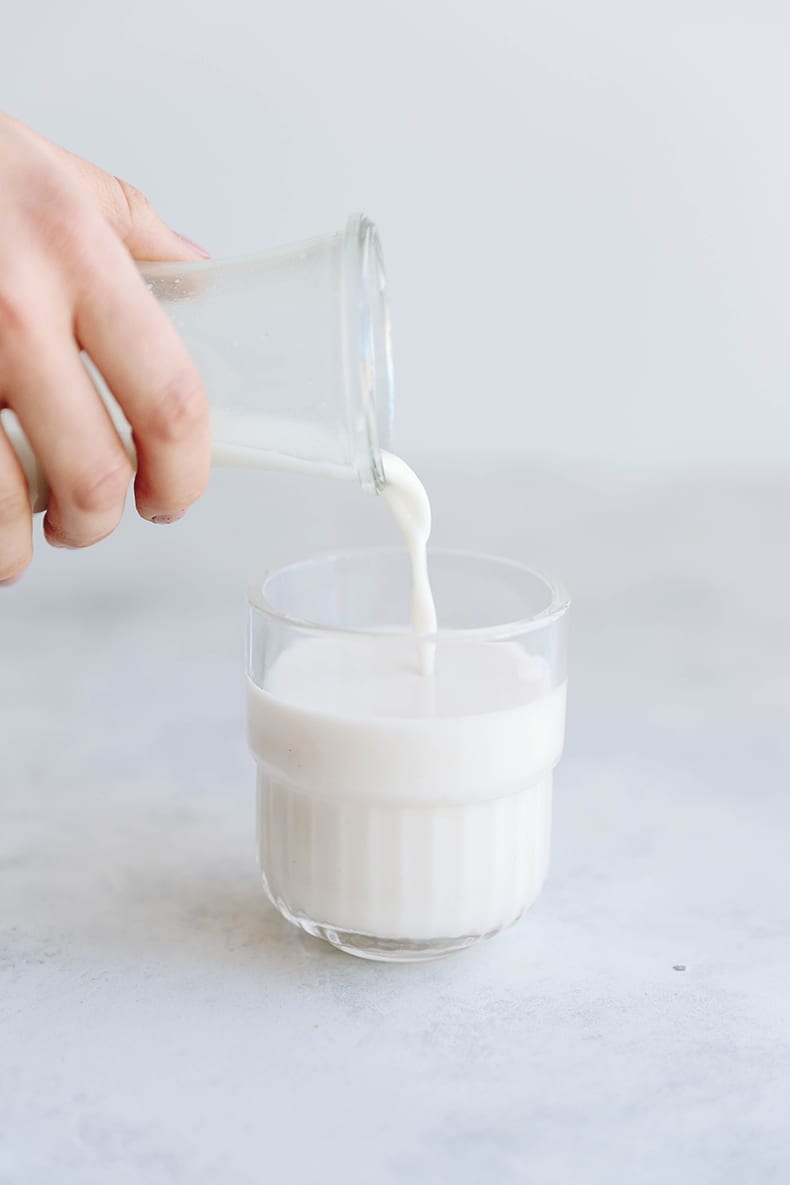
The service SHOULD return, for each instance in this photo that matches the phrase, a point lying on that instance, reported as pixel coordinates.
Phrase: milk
(408, 503)
(387, 813)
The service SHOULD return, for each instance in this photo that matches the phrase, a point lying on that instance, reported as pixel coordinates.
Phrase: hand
(68, 235)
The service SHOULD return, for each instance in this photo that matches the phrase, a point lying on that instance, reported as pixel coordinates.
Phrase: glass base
(402, 882)
(383, 950)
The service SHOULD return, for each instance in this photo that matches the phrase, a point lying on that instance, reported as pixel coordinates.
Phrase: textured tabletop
(160, 1024)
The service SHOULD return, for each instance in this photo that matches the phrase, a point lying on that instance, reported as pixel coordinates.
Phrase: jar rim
(367, 349)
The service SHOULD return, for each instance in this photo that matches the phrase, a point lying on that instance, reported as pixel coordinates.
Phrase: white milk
(384, 812)
(408, 502)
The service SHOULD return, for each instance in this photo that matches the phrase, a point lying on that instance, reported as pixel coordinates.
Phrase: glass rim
(558, 606)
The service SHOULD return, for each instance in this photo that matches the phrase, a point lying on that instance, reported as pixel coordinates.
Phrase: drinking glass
(402, 816)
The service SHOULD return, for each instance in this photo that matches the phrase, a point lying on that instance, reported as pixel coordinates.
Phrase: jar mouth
(554, 603)
(367, 341)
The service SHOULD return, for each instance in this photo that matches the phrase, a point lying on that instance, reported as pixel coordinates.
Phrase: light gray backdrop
(584, 206)
(584, 209)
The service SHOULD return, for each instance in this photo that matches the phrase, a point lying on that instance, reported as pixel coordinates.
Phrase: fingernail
(168, 518)
(195, 246)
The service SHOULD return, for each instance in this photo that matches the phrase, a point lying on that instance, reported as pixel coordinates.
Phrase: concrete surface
(160, 1024)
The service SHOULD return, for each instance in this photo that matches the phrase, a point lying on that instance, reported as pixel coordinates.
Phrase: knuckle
(180, 412)
(101, 488)
(64, 220)
(137, 204)
(70, 235)
(17, 319)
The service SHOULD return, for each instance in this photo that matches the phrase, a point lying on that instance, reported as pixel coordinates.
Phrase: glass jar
(294, 349)
(402, 816)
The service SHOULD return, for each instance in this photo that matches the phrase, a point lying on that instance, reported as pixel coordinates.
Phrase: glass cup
(402, 816)
(294, 349)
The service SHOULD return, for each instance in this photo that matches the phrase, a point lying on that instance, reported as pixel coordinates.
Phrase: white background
(584, 206)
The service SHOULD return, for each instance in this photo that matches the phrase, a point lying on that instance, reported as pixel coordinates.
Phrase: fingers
(148, 370)
(141, 229)
(70, 431)
(45, 169)
(16, 519)
(67, 282)
(132, 217)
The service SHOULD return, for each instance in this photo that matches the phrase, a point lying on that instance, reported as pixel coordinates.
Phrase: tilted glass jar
(294, 349)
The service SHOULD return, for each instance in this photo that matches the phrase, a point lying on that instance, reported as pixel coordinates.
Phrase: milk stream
(408, 502)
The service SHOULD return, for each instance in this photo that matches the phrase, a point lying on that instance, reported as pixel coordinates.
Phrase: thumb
(133, 218)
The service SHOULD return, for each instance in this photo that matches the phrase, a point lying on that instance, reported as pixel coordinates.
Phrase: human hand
(68, 235)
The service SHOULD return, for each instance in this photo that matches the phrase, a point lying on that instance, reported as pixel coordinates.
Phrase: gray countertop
(159, 1023)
